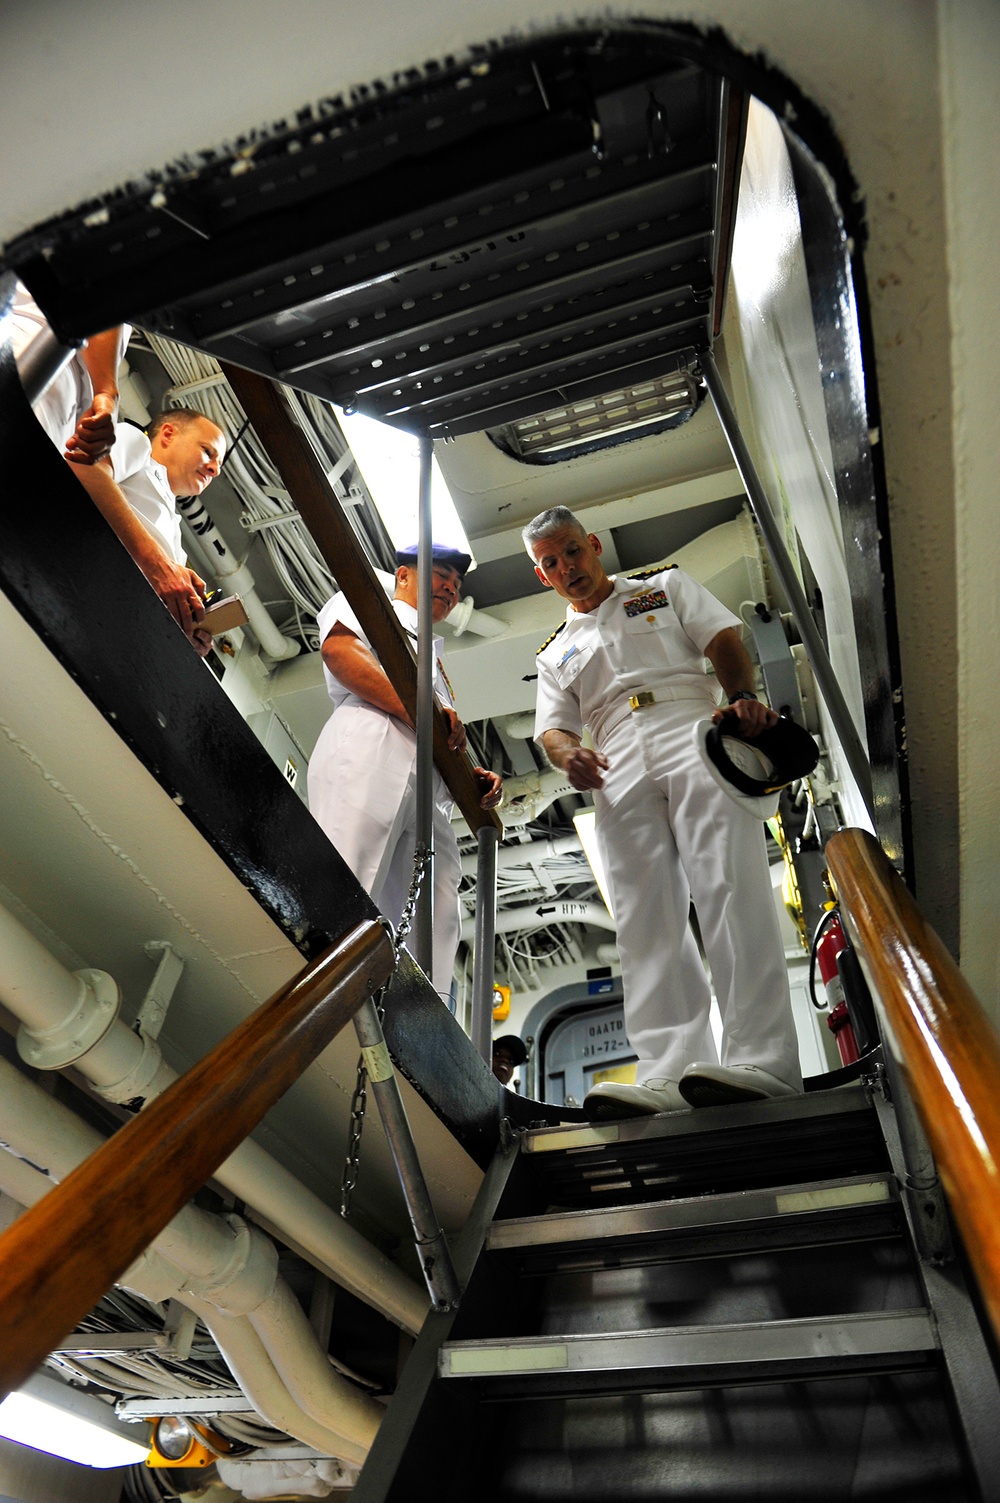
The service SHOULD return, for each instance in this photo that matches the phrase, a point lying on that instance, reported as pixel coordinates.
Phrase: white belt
(602, 728)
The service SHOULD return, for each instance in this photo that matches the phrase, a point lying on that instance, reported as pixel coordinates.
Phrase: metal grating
(535, 227)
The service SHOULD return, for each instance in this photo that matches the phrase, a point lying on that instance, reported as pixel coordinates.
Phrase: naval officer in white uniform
(78, 411)
(180, 455)
(362, 773)
(628, 664)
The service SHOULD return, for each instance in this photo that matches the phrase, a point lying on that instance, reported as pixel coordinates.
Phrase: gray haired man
(628, 664)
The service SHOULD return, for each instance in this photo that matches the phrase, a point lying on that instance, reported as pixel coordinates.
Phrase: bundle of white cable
(294, 555)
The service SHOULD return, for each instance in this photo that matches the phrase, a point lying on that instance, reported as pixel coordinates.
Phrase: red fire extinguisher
(829, 945)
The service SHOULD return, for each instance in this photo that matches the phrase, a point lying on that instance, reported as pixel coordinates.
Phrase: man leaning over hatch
(362, 773)
(179, 456)
(78, 412)
(628, 663)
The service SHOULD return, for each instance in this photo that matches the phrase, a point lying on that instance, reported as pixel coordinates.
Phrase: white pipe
(541, 914)
(255, 1373)
(236, 579)
(224, 1265)
(291, 1344)
(43, 994)
(465, 617)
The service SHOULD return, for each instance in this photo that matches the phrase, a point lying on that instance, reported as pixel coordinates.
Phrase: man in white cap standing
(362, 773)
(628, 663)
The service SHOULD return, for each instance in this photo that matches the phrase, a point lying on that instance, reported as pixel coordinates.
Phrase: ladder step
(693, 1356)
(844, 1209)
(711, 1150)
(817, 1106)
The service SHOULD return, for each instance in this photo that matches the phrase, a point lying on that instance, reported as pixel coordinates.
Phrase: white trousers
(669, 835)
(362, 791)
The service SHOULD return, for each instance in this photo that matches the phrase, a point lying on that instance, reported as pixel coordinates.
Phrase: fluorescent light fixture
(585, 822)
(578, 425)
(50, 1416)
(389, 459)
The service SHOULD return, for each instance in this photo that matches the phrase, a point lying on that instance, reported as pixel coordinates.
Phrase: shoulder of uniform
(648, 573)
(550, 638)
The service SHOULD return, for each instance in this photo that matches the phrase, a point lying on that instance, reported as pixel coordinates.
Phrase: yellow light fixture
(181, 1442)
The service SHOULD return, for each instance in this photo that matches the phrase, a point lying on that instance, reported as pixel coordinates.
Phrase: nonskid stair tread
(839, 1209)
(712, 1149)
(693, 1356)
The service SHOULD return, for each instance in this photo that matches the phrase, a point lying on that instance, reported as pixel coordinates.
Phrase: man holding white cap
(628, 663)
(362, 773)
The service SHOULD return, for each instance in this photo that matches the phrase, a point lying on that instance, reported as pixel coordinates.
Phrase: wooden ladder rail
(302, 475)
(60, 1257)
(947, 1046)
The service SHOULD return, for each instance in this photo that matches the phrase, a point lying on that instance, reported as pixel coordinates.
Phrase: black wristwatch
(741, 694)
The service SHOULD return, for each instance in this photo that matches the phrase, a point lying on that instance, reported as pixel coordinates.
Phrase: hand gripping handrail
(60, 1257)
(948, 1048)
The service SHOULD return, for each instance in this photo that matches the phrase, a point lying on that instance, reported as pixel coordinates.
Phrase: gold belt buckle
(642, 700)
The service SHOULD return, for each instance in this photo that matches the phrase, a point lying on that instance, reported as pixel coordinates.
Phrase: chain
(359, 1100)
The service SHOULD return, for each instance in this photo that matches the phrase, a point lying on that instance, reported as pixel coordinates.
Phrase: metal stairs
(724, 1304)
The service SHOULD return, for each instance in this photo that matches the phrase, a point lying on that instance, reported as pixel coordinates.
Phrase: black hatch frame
(536, 224)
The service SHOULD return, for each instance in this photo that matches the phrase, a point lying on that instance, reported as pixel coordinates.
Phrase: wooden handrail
(268, 409)
(949, 1049)
(59, 1258)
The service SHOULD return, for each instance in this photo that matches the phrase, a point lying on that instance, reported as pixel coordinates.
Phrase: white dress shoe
(611, 1100)
(718, 1085)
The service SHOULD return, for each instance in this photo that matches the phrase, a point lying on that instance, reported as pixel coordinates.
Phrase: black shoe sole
(603, 1109)
(715, 1093)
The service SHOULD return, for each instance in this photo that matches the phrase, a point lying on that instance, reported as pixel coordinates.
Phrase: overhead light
(585, 823)
(51, 1416)
(592, 422)
(389, 459)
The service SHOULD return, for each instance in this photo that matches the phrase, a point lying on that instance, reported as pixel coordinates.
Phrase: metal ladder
(719, 1304)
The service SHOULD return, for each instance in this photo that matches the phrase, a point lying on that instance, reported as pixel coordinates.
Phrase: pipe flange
(98, 1001)
(249, 1277)
(148, 1071)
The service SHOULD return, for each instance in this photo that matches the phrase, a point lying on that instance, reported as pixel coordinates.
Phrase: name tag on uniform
(653, 600)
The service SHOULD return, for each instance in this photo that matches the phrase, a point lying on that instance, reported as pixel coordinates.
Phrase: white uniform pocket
(571, 665)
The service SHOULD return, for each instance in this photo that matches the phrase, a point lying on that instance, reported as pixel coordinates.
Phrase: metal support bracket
(776, 663)
(180, 1325)
(432, 1248)
(153, 1011)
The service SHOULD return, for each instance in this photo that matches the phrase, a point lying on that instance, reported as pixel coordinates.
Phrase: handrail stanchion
(41, 361)
(425, 713)
(432, 1248)
(819, 662)
(486, 924)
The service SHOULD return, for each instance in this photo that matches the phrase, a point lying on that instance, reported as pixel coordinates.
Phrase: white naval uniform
(668, 834)
(68, 397)
(362, 791)
(146, 488)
